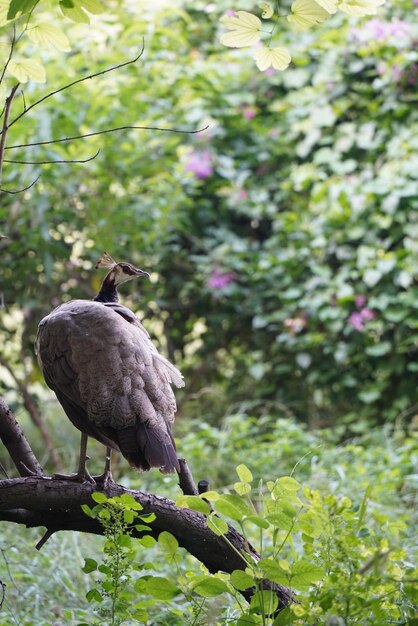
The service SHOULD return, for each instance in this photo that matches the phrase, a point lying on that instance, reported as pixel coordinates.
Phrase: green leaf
(48, 34)
(74, 13)
(244, 27)
(168, 542)
(124, 541)
(148, 518)
(196, 503)
(92, 6)
(21, 7)
(217, 525)
(304, 574)
(261, 522)
(241, 580)
(128, 516)
(379, 349)
(147, 541)
(99, 497)
(210, 587)
(264, 602)
(94, 596)
(161, 588)
(233, 506)
(244, 474)
(87, 510)
(272, 571)
(242, 488)
(28, 69)
(90, 565)
(128, 500)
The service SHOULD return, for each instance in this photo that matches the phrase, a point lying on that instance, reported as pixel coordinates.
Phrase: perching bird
(109, 377)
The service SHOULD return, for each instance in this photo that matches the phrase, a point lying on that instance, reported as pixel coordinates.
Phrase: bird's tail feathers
(143, 448)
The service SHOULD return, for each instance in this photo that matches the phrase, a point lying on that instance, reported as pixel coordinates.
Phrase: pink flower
(220, 280)
(367, 314)
(249, 113)
(200, 163)
(242, 194)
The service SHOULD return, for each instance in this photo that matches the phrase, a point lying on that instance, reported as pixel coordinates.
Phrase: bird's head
(118, 273)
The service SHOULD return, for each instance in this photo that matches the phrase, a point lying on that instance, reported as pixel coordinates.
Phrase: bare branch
(21, 190)
(16, 443)
(75, 82)
(186, 482)
(8, 105)
(57, 161)
(104, 132)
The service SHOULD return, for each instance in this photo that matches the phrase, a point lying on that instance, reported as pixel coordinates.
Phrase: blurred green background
(281, 242)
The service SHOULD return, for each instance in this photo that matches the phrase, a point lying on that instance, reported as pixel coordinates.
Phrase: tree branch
(16, 443)
(79, 80)
(5, 128)
(104, 132)
(16, 191)
(56, 161)
(37, 500)
(56, 504)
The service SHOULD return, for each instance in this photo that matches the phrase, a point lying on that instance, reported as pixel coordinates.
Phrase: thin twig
(9, 58)
(9, 101)
(79, 80)
(104, 132)
(21, 190)
(57, 161)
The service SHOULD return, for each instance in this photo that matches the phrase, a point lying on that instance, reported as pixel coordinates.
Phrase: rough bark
(38, 500)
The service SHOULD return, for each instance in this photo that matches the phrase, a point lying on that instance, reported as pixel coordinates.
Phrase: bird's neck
(108, 292)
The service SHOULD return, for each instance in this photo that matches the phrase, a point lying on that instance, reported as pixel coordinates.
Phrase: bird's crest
(106, 261)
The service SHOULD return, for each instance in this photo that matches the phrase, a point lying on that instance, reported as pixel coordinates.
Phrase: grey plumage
(110, 379)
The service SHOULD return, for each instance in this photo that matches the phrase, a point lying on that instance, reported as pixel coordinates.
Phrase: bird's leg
(106, 477)
(82, 474)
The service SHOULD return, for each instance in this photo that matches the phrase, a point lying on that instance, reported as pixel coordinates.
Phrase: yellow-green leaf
(28, 69)
(4, 9)
(49, 34)
(328, 5)
(92, 6)
(307, 13)
(267, 11)
(278, 58)
(360, 7)
(244, 27)
(73, 12)
(244, 474)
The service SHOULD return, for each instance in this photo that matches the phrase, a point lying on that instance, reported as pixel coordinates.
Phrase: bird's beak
(139, 272)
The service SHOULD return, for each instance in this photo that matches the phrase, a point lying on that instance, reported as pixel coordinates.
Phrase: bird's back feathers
(110, 379)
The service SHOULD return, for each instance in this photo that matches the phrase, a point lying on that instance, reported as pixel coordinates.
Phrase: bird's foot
(104, 480)
(79, 477)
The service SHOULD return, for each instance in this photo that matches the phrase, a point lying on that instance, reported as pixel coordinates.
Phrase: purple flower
(358, 318)
(360, 301)
(200, 163)
(355, 320)
(220, 280)
(376, 29)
